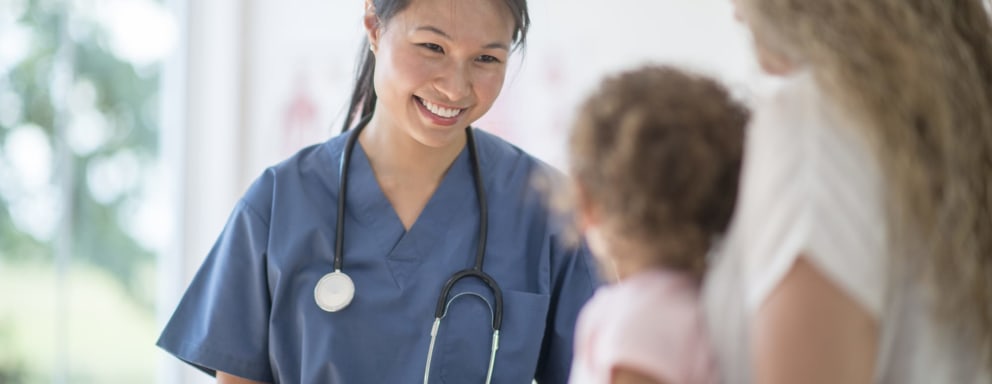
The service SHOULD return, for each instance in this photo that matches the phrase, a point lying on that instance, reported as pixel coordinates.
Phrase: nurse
(425, 197)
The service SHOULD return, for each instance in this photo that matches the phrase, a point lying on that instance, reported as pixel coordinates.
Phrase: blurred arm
(223, 378)
(809, 331)
(622, 375)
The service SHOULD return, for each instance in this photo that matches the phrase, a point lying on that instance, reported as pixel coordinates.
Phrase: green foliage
(11, 367)
(103, 300)
(126, 99)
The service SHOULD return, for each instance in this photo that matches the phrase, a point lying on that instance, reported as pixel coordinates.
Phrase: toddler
(655, 156)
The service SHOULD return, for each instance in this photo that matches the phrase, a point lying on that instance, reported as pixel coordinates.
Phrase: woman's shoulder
(811, 185)
(314, 166)
(798, 114)
(508, 166)
(802, 146)
(498, 151)
(786, 115)
(319, 156)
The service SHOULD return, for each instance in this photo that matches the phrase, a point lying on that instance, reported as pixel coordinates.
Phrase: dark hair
(659, 151)
(363, 97)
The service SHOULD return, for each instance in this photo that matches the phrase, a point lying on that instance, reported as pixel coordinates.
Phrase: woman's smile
(439, 114)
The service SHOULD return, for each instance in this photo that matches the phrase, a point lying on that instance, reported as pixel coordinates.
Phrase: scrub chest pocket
(465, 338)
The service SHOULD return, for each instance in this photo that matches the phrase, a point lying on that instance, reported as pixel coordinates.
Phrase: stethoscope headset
(335, 290)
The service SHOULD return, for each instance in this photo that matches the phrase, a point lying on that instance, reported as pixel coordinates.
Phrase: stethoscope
(335, 290)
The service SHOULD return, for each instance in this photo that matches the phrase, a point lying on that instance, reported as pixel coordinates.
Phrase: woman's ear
(372, 25)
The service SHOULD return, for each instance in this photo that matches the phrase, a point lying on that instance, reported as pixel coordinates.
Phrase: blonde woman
(861, 250)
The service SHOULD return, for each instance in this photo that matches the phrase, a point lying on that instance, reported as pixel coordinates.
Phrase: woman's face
(439, 66)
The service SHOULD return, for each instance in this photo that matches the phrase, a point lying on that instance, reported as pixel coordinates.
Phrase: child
(655, 158)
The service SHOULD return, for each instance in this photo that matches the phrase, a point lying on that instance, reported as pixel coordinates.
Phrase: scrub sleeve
(811, 189)
(223, 326)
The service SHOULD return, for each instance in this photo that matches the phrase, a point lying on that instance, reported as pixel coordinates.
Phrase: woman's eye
(488, 59)
(433, 47)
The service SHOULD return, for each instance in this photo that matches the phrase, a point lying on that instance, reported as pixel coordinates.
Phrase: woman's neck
(393, 153)
(408, 171)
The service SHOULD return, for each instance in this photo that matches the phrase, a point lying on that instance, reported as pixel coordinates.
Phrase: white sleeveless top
(811, 185)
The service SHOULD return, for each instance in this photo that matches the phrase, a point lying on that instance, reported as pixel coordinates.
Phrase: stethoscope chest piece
(334, 291)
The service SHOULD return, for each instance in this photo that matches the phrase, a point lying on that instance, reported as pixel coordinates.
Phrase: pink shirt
(650, 322)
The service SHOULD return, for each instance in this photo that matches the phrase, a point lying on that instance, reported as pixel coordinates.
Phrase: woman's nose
(454, 82)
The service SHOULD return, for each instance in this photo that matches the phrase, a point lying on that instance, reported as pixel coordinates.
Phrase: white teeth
(440, 111)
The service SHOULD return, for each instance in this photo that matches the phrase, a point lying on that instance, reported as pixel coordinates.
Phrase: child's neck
(629, 259)
(627, 267)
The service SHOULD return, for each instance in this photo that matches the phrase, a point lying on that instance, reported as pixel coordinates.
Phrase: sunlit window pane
(81, 188)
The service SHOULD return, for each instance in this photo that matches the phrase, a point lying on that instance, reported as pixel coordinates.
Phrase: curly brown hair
(659, 151)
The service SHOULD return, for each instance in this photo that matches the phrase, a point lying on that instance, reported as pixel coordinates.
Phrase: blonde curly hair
(917, 76)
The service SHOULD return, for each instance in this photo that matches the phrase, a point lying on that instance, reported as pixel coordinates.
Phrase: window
(81, 223)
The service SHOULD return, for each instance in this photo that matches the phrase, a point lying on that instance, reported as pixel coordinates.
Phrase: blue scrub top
(250, 309)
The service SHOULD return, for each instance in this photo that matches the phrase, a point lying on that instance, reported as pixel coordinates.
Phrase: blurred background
(129, 128)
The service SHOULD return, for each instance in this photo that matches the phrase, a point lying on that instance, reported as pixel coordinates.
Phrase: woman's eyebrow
(438, 31)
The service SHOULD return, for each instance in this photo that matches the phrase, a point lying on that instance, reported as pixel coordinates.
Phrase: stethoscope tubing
(476, 271)
(480, 255)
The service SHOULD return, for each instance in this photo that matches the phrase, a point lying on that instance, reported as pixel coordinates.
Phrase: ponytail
(363, 97)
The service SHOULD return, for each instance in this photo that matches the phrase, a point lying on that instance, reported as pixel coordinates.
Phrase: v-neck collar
(367, 204)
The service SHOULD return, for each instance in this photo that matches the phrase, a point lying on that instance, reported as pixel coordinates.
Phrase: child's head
(655, 156)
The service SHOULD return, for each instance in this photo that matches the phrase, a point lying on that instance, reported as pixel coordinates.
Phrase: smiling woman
(388, 217)
(433, 77)
(435, 73)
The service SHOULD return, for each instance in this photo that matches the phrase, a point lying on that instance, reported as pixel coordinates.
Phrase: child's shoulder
(651, 322)
(646, 302)
(656, 293)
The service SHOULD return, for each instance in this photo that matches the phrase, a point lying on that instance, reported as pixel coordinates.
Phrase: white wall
(303, 52)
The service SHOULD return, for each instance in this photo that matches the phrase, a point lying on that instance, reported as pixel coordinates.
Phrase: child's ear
(588, 214)
(372, 25)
